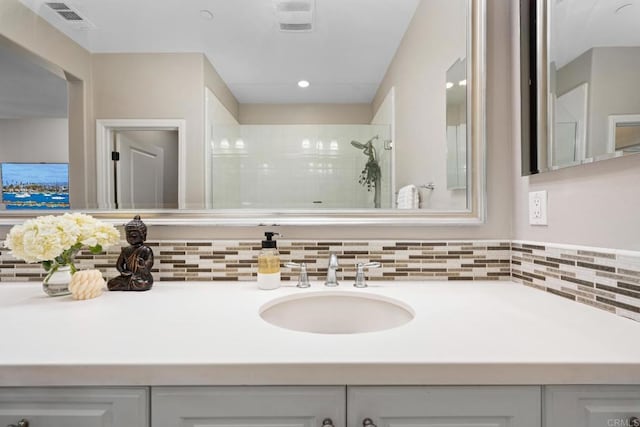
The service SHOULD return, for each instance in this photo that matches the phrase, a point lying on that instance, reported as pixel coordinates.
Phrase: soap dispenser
(269, 263)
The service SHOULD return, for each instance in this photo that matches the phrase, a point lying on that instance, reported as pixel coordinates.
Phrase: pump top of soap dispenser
(269, 242)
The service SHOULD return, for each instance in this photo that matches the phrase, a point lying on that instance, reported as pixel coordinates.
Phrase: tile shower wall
(237, 260)
(608, 280)
(295, 166)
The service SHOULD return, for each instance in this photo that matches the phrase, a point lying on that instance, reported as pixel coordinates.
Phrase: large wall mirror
(277, 111)
(587, 58)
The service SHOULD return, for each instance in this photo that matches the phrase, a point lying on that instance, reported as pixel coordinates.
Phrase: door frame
(104, 137)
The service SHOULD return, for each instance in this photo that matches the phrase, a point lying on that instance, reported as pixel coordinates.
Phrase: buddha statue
(135, 261)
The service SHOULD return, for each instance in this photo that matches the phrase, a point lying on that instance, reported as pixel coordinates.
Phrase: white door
(142, 170)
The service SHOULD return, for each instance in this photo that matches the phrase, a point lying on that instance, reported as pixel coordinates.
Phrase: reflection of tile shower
(296, 166)
(371, 175)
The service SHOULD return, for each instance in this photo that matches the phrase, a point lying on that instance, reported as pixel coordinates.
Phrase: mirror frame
(535, 41)
(475, 214)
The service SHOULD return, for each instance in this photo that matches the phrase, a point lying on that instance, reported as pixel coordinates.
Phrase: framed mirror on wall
(253, 117)
(579, 88)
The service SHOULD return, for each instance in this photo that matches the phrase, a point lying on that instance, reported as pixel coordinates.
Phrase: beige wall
(611, 73)
(614, 90)
(419, 74)
(214, 82)
(157, 86)
(595, 204)
(305, 114)
(28, 31)
(34, 140)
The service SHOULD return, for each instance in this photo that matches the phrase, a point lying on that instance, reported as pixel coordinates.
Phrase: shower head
(362, 146)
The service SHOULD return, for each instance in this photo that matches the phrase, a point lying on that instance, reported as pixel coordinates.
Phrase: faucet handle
(303, 279)
(333, 260)
(360, 279)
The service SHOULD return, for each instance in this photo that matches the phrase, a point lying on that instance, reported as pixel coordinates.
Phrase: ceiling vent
(70, 15)
(295, 15)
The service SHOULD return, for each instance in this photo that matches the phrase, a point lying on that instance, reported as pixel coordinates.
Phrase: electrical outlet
(538, 208)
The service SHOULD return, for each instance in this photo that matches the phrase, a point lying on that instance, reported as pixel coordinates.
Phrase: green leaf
(95, 249)
(46, 265)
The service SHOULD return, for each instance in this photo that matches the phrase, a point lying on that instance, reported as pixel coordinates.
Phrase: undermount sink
(334, 312)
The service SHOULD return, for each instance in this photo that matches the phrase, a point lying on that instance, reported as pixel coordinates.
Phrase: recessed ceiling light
(449, 85)
(206, 14)
(303, 84)
(462, 82)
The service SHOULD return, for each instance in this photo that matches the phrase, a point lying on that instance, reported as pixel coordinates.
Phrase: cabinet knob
(634, 422)
(367, 422)
(21, 423)
(327, 422)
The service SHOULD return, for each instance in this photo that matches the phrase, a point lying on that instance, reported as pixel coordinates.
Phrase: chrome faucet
(360, 281)
(332, 277)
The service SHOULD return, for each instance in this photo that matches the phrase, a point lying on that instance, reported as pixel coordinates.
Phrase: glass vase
(57, 281)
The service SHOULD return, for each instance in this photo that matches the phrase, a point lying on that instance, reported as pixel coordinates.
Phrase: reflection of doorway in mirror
(146, 170)
(570, 128)
(149, 167)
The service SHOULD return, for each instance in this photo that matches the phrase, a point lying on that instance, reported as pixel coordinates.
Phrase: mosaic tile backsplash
(608, 280)
(237, 260)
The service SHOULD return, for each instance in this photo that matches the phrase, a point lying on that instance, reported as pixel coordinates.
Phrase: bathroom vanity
(200, 354)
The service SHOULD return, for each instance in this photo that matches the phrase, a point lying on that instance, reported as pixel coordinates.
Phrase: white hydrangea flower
(47, 237)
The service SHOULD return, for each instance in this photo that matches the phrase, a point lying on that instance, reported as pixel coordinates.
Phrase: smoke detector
(70, 15)
(295, 15)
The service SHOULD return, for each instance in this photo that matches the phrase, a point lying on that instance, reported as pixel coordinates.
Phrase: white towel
(408, 197)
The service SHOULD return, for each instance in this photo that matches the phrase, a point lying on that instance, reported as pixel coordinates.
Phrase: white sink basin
(336, 312)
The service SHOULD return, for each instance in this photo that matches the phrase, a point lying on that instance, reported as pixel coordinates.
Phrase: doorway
(145, 169)
(140, 164)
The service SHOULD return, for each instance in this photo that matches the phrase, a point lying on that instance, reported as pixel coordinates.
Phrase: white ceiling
(344, 58)
(29, 91)
(579, 25)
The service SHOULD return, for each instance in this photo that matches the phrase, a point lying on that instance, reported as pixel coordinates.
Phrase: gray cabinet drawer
(75, 407)
(591, 406)
(247, 406)
(444, 406)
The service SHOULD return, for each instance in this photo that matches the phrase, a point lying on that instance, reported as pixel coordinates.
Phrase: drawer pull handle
(327, 422)
(21, 423)
(634, 422)
(367, 422)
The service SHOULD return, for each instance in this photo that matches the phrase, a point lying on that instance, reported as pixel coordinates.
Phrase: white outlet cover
(538, 208)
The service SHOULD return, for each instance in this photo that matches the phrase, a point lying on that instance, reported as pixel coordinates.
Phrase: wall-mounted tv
(35, 185)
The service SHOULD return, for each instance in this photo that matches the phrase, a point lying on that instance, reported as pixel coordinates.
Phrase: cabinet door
(444, 406)
(248, 406)
(74, 407)
(592, 406)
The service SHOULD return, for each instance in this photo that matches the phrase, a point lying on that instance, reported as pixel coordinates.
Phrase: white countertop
(212, 334)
